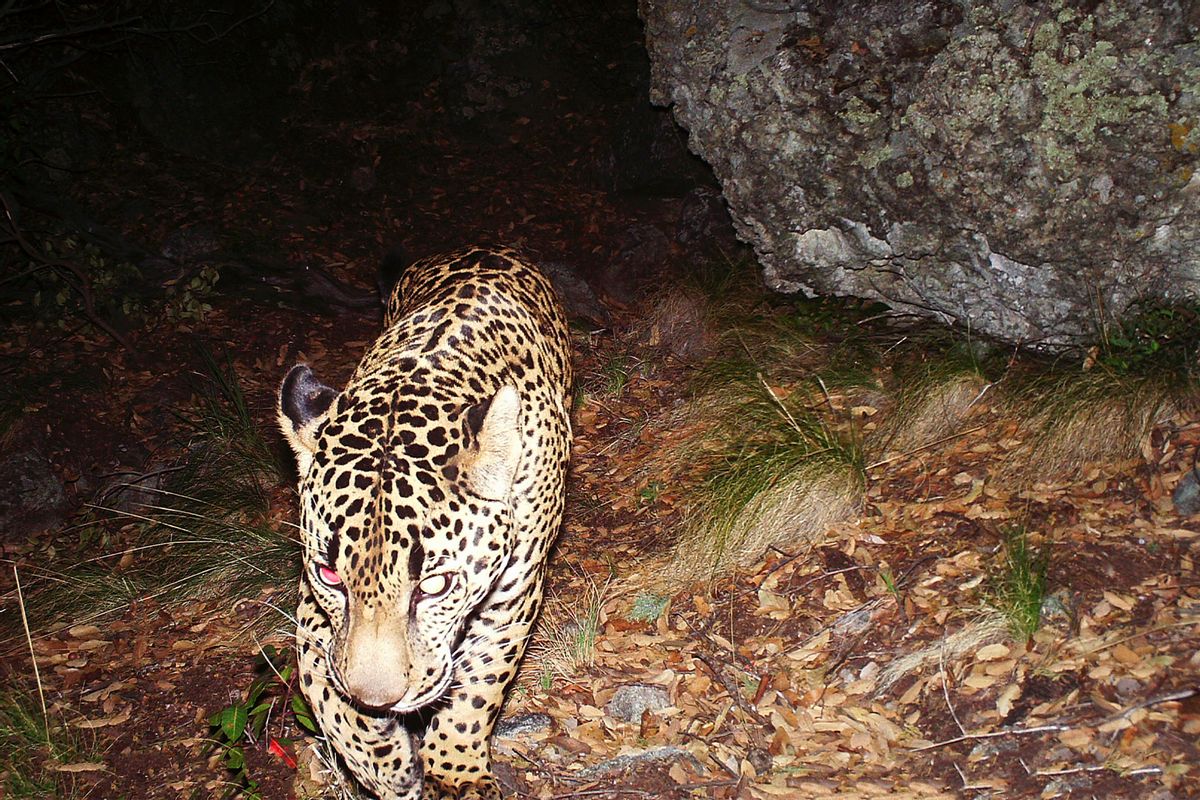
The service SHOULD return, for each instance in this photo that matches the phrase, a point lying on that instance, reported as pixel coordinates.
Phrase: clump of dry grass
(763, 452)
(680, 323)
(937, 380)
(774, 472)
(564, 641)
(990, 627)
(1070, 420)
(801, 507)
(320, 775)
(930, 411)
(206, 530)
(1144, 369)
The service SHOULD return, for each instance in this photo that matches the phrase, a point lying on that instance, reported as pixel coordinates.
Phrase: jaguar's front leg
(457, 744)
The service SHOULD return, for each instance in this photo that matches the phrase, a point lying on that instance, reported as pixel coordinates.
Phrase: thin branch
(916, 450)
(1153, 701)
(81, 30)
(970, 737)
(37, 675)
(83, 287)
(1050, 773)
(946, 686)
(730, 687)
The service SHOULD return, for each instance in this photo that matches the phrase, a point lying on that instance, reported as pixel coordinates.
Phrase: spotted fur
(431, 490)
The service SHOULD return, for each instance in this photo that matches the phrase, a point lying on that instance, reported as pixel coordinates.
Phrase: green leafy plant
(64, 283)
(189, 300)
(650, 492)
(243, 724)
(648, 607)
(1018, 591)
(889, 583)
(1155, 337)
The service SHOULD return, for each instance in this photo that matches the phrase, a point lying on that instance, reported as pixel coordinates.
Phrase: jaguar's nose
(376, 664)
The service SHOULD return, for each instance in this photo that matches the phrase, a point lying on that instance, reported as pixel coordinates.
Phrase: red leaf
(279, 750)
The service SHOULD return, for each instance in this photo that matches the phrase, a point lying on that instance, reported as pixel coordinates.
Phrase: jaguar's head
(407, 522)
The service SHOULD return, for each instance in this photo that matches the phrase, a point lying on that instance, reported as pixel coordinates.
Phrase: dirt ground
(773, 675)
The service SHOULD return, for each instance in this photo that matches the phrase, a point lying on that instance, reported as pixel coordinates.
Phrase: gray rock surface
(620, 763)
(629, 701)
(1186, 495)
(522, 725)
(1024, 169)
(31, 495)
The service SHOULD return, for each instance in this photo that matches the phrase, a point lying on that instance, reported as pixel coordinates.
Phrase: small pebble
(1186, 496)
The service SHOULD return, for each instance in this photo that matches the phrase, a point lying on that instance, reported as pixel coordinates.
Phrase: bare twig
(970, 737)
(708, 784)
(37, 675)
(946, 686)
(968, 786)
(1050, 773)
(82, 283)
(602, 793)
(916, 450)
(1153, 701)
(730, 687)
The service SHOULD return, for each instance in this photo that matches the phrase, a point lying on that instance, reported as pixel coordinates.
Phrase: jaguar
(431, 489)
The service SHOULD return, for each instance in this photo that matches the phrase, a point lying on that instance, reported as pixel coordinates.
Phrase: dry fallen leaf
(103, 722)
(82, 766)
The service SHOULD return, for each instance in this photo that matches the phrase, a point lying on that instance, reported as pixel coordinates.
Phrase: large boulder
(1025, 169)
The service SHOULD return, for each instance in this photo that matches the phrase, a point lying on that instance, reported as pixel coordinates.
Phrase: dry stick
(946, 686)
(84, 287)
(1153, 701)
(968, 737)
(916, 450)
(709, 784)
(536, 764)
(1185, 623)
(37, 675)
(730, 688)
(1102, 768)
(782, 408)
(967, 785)
(604, 792)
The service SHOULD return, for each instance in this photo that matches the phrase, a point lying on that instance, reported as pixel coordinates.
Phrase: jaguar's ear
(495, 430)
(303, 405)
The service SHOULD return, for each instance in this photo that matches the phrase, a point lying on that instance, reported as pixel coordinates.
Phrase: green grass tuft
(31, 748)
(612, 377)
(1019, 590)
(775, 470)
(205, 529)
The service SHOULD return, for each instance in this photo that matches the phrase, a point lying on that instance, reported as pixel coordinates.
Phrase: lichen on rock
(1027, 170)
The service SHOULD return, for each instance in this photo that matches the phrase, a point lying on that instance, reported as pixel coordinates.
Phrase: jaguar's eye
(434, 585)
(329, 577)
